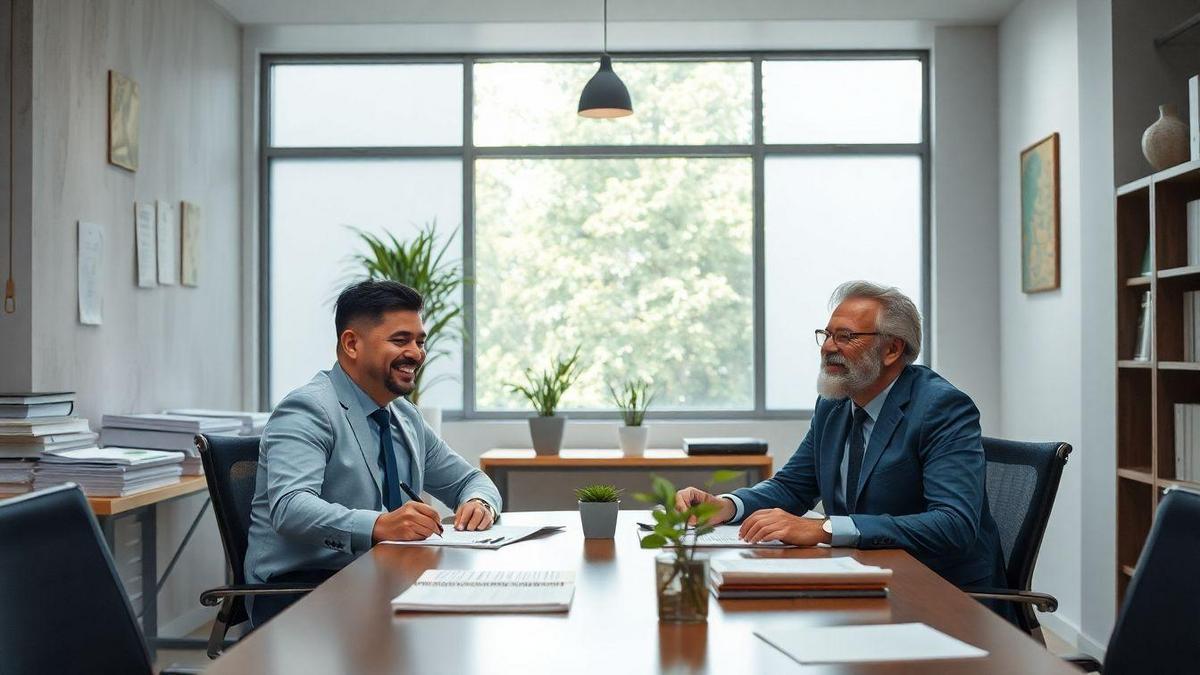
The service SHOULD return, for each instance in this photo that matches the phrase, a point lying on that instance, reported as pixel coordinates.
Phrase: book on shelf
(1193, 232)
(37, 399)
(1191, 325)
(42, 426)
(1187, 441)
(1145, 329)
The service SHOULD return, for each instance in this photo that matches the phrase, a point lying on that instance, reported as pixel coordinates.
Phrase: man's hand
(412, 522)
(690, 496)
(472, 515)
(771, 524)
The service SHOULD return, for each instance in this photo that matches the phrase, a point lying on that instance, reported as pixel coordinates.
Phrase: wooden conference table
(346, 625)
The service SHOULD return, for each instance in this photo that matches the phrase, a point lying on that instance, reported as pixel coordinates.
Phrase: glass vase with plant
(633, 399)
(681, 578)
(421, 263)
(598, 506)
(544, 392)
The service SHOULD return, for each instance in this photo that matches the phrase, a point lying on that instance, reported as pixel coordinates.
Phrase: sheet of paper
(190, 245)
(489, 590)
(496, 537)
(865, 644)
(168, 244)
(725, 536)
(147, 244)
(91, 269)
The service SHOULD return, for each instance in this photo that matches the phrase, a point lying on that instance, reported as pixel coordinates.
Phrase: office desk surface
(568, 458)
(111, 506)
(346, 625)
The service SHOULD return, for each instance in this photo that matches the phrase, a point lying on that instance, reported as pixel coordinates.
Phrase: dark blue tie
(858, 448)
(392, 497)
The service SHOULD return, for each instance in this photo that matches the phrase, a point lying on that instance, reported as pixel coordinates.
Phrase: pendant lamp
(605, 95)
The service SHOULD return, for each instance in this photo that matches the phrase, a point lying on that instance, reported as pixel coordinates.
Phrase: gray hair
(898, 316)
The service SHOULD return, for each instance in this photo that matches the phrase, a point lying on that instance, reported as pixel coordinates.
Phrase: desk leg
(149, 522)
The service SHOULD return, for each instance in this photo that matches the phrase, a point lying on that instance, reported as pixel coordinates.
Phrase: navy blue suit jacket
(922, 482)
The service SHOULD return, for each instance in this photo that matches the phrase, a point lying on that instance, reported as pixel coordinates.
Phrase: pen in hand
(413, 496)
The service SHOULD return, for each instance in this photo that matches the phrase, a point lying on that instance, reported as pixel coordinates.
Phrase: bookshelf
(1151, 213)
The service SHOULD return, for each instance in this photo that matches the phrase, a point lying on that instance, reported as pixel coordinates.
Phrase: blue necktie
(858, 448)
(392, 497)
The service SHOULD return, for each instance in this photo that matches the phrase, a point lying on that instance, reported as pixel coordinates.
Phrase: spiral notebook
(488, 591)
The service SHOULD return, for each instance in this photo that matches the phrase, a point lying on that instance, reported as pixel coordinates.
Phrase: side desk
(143, 507)
(531, 482)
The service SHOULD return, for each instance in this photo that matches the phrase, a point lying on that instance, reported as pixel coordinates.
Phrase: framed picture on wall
(1040, 253)
(123, 109)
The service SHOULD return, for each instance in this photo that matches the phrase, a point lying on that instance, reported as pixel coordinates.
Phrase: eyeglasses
(841, 338)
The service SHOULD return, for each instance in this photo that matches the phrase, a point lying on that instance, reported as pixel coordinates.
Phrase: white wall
(162, 347)
(966, 316)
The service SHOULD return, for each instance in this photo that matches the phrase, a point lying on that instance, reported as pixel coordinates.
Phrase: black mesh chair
(231, 468)
(62, 606)
(1022, 481)
(1158, 626)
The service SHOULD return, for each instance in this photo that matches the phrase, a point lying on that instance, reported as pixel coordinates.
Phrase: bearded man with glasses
(893, 452)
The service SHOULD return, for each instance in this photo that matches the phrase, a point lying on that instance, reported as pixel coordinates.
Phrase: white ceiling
(489, 11)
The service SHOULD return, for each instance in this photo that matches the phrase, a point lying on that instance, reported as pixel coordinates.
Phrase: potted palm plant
(598, 505)
(544, 391)
(633, 399)
(421, 263)
(681, 578)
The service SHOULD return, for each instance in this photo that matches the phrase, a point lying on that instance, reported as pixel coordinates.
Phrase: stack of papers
(253, 423)
(16, 476)
(163, 431)
(109, 472)
(36, 427)
(32, 447)
(867, 644)
(797, 578)
(488, 591)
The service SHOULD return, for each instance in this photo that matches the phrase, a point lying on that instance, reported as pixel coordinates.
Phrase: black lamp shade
(605, 94)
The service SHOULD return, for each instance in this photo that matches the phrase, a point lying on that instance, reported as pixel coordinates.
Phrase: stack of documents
(488, 591)
(163, 431)
(797, 578)
(253, 423)
(16, 476)
(109, 472)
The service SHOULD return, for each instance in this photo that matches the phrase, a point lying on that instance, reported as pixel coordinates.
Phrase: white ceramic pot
(547, 434)
(432, 416)
(634, 439)
(1165, 143)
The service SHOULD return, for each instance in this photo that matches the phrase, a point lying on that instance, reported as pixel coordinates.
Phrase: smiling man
(893, 451)
(341, 455)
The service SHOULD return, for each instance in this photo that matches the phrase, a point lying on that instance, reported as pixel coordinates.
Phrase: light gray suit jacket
(319, 485)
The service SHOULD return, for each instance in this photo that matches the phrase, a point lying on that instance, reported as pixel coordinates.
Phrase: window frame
(757, 151)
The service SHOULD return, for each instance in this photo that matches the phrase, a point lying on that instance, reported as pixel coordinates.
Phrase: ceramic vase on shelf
(1165, 143)
(547, 433)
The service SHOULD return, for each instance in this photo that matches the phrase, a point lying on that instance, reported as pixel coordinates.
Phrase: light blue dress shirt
(845, 533)
(404, 467)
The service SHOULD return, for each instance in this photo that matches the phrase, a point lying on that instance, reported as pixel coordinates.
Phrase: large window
(694, 244)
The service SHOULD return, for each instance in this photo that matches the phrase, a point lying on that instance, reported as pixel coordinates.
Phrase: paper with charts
(488, 591)
(866, 644)
(496, 537)
(725, 536)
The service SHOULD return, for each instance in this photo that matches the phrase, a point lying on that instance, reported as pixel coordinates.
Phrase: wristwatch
(483, 501)
(827, 526)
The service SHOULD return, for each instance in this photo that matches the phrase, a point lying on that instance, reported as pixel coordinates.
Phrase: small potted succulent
(681, 578)
(598, 505)
(632, 399)
(544, 392)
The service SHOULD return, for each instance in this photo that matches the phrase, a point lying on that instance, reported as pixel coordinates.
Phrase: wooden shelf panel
(1135, 364)
(1140, 474)
(1175, 482)
(1134, 187)
(1143, 280)
(1180, 366)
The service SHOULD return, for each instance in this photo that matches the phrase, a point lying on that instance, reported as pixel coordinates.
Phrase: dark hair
(371, 298)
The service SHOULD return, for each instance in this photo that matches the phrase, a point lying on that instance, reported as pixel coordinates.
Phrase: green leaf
(664, 490)
(654, 541)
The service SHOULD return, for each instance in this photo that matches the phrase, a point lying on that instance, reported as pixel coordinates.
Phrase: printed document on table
(496, 537)
(867, 644)
(488, 591)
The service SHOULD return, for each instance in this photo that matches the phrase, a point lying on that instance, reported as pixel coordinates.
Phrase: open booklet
(496, 537)
(488, 591)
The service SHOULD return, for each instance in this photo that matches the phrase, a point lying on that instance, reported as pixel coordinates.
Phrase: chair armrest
(213, 596)
(180, 670)
(1043, 601)
(1084, 662)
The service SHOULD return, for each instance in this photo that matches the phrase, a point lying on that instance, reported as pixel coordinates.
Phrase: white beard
(858, 376)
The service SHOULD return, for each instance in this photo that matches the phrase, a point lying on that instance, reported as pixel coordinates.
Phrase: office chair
(62, 606)
(1022, 481)
(231, 468)
(1159, 621)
